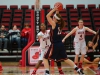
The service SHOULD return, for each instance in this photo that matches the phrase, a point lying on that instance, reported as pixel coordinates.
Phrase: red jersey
(25, 32)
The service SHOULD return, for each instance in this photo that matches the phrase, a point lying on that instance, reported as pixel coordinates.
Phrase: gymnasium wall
(50, 2)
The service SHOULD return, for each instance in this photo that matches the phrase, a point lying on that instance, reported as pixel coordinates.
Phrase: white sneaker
(0, 49)
(47, 74)
(5, 50)
(80, 72)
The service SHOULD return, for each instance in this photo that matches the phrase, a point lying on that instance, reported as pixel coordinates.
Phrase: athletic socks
(60, 70)
(76, 64)
(75, 67)
(80, 65)
(34, 71)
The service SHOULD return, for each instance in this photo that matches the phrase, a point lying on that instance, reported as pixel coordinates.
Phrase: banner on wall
(33, 55)
(37, 23)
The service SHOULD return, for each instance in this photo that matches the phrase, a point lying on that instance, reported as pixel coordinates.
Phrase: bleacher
(10, 17)
(18, 16)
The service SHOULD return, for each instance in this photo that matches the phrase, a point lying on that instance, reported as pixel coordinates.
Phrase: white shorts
(42, 52)
(80, 47)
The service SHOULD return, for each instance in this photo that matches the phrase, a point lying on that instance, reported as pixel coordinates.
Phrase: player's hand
(40, 36)
(56, 7)
(63, 40)
(57, 12)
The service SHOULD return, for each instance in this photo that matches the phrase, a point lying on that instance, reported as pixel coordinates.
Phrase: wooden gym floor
(13, 68)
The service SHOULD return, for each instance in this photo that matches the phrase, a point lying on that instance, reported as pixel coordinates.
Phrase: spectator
(25, 35)
(15, 36)
(3, 34)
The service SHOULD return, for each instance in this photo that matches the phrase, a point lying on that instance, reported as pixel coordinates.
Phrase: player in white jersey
(79, 41)
(44, 39)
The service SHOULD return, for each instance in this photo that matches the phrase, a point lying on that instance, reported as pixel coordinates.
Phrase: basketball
(59, 5)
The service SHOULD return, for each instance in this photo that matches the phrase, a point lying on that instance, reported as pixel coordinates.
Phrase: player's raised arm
(95, 36)
(50, 20)
(70, 33)
(96, 44)
(90, 30)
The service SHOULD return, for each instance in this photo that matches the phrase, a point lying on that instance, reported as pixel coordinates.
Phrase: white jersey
(80, 34)
(45, 39)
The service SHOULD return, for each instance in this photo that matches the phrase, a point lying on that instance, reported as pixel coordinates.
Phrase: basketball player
(37, 4)
(57, 51)
(97, 36)
(79, 41)
(90, 53)
(44, 39)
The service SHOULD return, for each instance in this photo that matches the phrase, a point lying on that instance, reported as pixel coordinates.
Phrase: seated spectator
(3, 38)
(25, 35)
(15, 36)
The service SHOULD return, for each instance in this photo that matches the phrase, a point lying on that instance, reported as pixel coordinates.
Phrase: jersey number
(80, 37)
(46, 42)
(47, 46)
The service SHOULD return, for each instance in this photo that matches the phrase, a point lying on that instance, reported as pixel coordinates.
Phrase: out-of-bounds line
(92, 70)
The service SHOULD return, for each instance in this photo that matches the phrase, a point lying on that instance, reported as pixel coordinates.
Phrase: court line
(92, 70)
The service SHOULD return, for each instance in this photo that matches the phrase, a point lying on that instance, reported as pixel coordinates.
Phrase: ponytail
(61, 22)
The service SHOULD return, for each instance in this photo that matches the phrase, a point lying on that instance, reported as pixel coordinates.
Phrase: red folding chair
(70, 6)
(92, 6)
(32, 7)
(45, 6)
(24, 6)
(3, 6)
(81, 6)
(13, 6)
